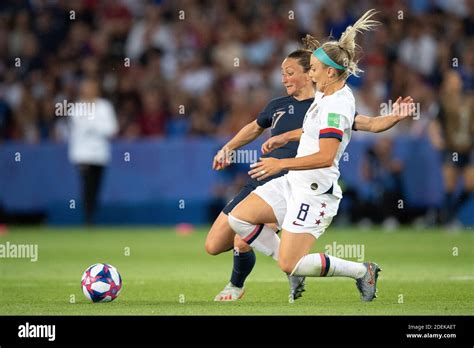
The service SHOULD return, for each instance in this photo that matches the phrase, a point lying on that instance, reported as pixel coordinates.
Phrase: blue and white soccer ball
(101, 282)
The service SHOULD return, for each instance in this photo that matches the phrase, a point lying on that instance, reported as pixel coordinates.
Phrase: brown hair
(303, 56)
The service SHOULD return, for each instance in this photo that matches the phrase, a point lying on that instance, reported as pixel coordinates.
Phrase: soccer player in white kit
(304, 201)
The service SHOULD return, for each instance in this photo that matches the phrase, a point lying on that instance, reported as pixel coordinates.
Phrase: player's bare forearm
(267, 167)
(401, 109)
(376, 124)
(246, 135)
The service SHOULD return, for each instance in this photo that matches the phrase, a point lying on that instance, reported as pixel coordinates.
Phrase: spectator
(89, 147)
(418, 50)
(453, 134)
(185, 68)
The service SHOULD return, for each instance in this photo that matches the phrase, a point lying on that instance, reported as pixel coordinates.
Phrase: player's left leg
(243, 265)
(303, 224)
(220, 237)
(244, 261)
(248, 219)
(296, 260)
(243, 257)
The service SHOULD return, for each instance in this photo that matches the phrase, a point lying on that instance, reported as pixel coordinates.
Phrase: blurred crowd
(208, 67)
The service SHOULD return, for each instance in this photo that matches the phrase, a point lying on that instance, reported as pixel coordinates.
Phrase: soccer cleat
(296, 286)
(367, 285)
(230, 293)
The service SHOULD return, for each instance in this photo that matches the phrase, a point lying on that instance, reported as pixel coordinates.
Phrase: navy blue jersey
(282, 115)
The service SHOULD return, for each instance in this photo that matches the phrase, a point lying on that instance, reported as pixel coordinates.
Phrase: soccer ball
(101, 283)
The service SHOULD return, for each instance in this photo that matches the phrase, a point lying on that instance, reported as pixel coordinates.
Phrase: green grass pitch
(424, 272)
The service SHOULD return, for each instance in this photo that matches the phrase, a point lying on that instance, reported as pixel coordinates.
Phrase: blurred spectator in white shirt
(93, 124)
(418, 50)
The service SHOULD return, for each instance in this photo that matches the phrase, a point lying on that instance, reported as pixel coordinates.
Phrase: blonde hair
(343, 51)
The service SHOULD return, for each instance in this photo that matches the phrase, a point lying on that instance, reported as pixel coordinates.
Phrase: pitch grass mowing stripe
(170, 274)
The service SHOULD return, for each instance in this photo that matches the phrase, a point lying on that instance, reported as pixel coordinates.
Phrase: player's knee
(212, 248)
(240, 245)
(286, 265)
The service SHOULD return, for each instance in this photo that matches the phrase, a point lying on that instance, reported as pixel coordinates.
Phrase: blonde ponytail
(347, 40)
(343, 52)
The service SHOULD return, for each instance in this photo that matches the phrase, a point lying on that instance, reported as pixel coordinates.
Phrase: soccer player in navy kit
(280, 115)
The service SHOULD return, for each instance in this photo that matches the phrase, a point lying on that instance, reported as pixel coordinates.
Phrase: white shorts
(298, 212)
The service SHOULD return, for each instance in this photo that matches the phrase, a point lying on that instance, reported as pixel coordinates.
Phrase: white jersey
(91, 133)
(328, 117)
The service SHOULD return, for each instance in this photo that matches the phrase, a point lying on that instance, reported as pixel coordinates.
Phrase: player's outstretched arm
(267, 167)
(246, 135)
(281, 140)
(401, 109)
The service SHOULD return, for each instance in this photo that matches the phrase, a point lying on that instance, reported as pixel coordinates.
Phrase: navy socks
(243, 265)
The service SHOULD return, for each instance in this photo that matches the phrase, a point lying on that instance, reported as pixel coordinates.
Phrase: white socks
(260, 237)
(322, 265)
